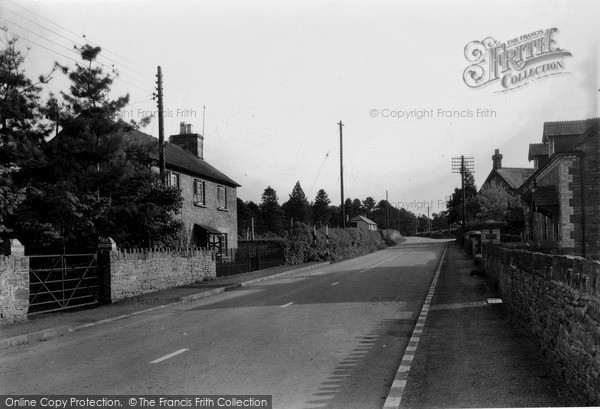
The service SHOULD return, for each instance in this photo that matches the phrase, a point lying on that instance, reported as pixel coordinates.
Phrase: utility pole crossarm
(461, 165)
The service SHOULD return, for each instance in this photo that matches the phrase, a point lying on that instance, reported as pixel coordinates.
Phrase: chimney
(497, 160)
(191, 142)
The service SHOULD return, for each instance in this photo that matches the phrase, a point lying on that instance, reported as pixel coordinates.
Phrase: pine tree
(369, 205)
(22, 129)
(94, 181)
(271, 212)
(320, 209)
(297, 207)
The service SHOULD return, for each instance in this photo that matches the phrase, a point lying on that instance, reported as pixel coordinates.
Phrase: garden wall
(557, 298)
(139, 272)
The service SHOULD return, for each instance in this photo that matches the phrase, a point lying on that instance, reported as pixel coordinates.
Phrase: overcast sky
(277, 76)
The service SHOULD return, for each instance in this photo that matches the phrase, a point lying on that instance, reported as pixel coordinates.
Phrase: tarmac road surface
(331, 337)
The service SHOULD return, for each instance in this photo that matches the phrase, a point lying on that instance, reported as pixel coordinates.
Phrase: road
(327, 338)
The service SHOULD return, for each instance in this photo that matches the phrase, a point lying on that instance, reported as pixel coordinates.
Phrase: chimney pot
(189, 141)
(497, 160)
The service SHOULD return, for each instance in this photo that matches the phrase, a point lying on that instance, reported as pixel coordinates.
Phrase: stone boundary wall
(557, 299)
(136, 272)
(14, 288)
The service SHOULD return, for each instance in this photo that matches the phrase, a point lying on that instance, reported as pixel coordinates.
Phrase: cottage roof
(591, 131)
(515, 176)
(362, 218)
(566, 128)
(537, 149)
(179, 159)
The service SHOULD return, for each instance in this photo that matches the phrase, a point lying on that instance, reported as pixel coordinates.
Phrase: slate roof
(177, 158)
(564, 128)
(364, 219)
(537, 149)
(515, 176)
(591, 131)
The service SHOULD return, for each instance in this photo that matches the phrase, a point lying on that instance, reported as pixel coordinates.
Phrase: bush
(301, 246)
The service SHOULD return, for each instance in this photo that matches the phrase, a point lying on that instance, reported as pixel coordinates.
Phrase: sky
(267, 82)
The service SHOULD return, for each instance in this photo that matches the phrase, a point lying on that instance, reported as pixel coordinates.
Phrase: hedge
(301, 246)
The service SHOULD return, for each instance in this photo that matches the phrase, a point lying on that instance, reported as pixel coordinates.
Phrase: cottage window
(173, 179)
(199, 192)
(221, 197)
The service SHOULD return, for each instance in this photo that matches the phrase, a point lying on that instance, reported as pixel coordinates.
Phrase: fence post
(249, 258)
(258, 257)
(14, 286)
(105, 246)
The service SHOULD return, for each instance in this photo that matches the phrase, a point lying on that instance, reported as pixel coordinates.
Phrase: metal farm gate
(63, 281)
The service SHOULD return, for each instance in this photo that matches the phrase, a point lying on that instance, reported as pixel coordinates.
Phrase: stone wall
(14, 288)
(142, 271)
(557, 298)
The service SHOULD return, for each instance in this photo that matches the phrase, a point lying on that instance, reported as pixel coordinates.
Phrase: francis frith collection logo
(514, 63)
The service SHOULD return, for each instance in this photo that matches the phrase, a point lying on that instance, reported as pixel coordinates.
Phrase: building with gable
(563, 193)
(209, 211)
(361, 222)
(510, 179)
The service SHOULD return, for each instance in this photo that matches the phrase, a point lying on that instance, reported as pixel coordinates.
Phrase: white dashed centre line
(384, 261)
(171, 355)
(336, 283)
(287, 305)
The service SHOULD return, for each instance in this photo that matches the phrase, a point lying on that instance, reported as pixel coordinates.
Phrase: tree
(246, 211)
(93, 181)
(495, 201)
(353, 208)
(320, 209)
(455, 204)
(439, 220)
(22, 128)
(369, 204)
(297, 207)
(271, 212)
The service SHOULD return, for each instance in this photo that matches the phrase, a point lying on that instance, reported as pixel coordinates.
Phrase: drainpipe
(581, 156)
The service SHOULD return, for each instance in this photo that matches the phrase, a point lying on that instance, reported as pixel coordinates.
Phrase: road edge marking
(394, 397)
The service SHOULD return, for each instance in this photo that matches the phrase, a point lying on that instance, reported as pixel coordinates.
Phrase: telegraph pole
(463, 165)
(387, 211)
(161, 129)
(428, 219)
(342, 174)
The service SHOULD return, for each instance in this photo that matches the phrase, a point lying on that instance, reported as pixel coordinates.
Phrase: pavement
(42, 327)
(471, 354)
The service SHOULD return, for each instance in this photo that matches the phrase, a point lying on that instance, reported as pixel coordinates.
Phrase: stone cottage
(209, 211)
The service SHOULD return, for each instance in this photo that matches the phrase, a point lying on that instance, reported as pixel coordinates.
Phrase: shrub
(302, 247)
